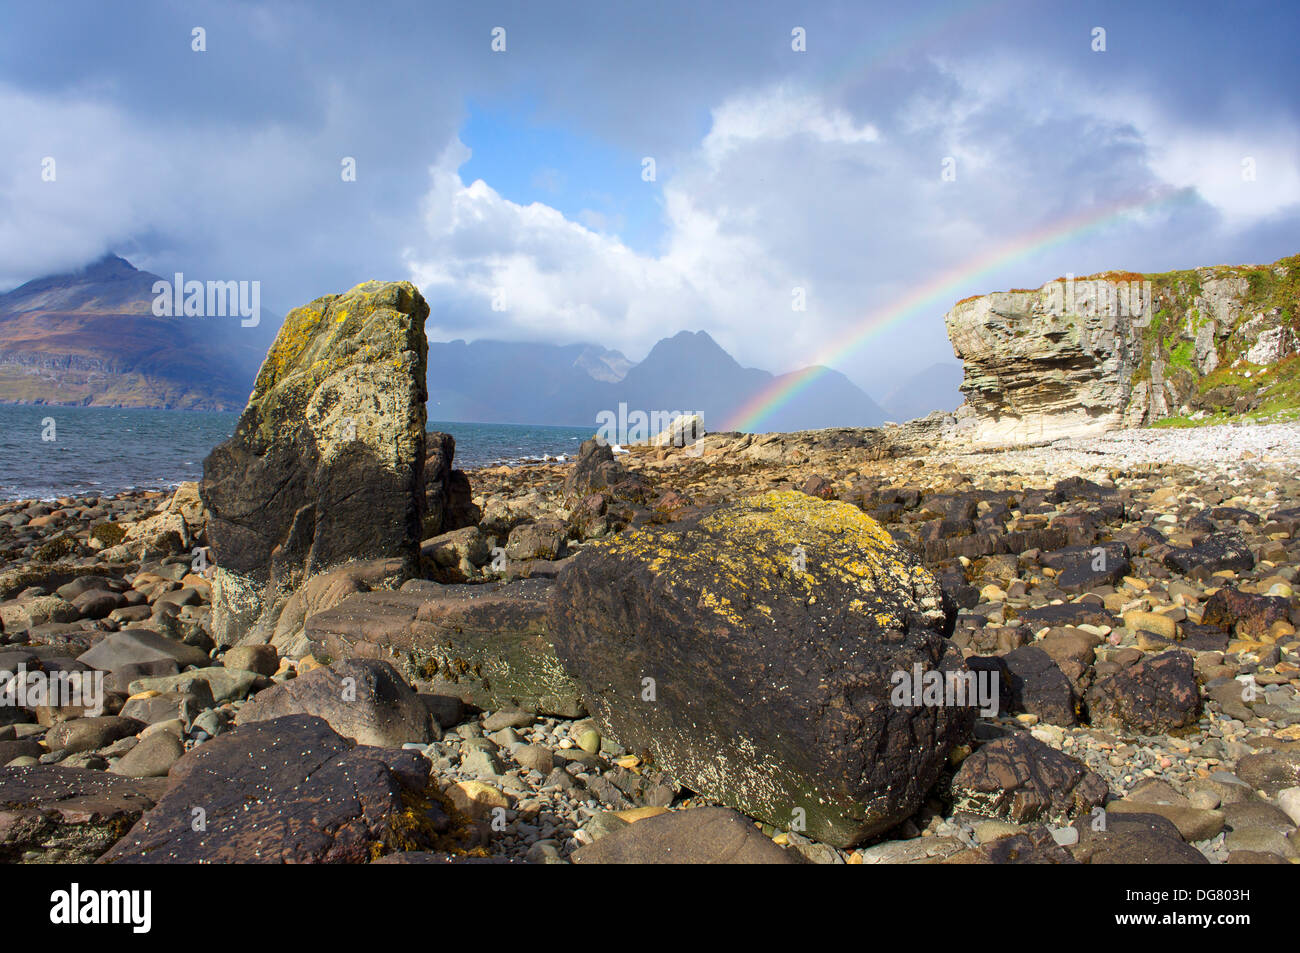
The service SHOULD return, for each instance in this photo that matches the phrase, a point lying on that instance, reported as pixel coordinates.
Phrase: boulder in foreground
(752, 652)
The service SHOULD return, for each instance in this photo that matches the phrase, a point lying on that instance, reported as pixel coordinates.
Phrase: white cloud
(789, 190)
(780, 113)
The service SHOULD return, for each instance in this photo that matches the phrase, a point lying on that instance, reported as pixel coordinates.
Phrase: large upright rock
(327, 462)
(448, 500)
(751, 652)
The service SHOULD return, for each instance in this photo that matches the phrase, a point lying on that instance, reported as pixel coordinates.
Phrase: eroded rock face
(1032, 375)
(1077, 358)
(327, 462)
(759, 674)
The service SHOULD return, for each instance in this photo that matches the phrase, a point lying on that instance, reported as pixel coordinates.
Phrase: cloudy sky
(522, 174)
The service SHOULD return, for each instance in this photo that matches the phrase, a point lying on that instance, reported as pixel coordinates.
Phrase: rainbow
(941, 291)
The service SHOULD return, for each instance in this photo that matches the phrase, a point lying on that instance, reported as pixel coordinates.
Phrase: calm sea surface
(103, 450)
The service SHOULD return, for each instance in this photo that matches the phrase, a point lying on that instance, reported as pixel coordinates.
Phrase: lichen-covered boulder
(755, 652)
(326, 464)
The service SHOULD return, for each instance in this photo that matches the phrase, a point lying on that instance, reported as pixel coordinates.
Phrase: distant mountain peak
(107, 266)
(689, 349)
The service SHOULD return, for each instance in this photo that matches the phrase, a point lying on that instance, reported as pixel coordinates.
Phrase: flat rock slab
(706, 835)
(1215, 552)
(135, 646)
(490, 645)
(1080, 568)
(50, 814)
(289, 790)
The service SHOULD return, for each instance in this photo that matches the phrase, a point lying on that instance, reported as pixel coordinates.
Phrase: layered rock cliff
(1080, 356)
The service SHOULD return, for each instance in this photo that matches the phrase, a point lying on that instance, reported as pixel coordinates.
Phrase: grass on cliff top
(1276, 391)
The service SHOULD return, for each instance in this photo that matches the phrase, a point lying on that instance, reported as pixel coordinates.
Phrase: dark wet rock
(1132, 839)
(1039, 687)
(25, 748)
(1078, 488)
(1080, 568)
(52, 814)
(587, 517)
(1035, 846)
(596, 471)
(461, 509)
(996, 667)
(96, 604)
(1021, 779)
(1202, 638)
(1157, 695)
(697, 643)
(1246, 614)
(365, 700)
(1215, 552)
(439, 857)
(957, 592)
(447, 710)
(819, 487)
(440, 451)
(706, 835)
(1070, 646)
(289, 790)
(1233, 514)
(1069, 613)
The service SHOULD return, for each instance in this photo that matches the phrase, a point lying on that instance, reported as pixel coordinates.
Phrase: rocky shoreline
(1208, 554)
(681, 654)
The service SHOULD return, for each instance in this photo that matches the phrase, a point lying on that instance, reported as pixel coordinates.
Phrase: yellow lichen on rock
(790, 541)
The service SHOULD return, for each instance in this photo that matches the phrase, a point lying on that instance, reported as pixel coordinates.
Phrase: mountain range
(90, 337)
(937, 387)
(496, 381)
